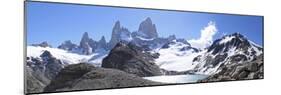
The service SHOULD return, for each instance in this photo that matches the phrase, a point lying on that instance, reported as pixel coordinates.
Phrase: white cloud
(206, 37)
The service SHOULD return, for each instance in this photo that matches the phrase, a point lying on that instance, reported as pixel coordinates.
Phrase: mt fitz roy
(128, 58)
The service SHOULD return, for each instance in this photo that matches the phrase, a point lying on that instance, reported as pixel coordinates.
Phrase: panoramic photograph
(71, 47)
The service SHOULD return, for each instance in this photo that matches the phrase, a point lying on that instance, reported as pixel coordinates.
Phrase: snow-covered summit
(230, 49)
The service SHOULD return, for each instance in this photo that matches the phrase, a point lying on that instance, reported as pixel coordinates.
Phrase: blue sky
(55, 23)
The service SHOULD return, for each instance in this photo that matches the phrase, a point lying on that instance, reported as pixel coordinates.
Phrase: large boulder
(85, 76)
(129, 58)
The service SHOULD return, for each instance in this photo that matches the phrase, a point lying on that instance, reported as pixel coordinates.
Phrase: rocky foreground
(86, 76)
(123, 67)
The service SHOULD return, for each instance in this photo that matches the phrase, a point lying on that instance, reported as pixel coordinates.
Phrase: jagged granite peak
(147, 29)
(87, 45)
(102, 40)
(85, 38)
(119, 33)
(102, 43)
(42, 44)
(117, 25)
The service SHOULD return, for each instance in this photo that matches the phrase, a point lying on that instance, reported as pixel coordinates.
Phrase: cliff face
(147, 29)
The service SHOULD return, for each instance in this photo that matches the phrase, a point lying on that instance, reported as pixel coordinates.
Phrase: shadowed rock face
(247, 70)
(40, 72)
(129, 58)
(52, 65)
(85, 76)
(238, 41)
(35, 80)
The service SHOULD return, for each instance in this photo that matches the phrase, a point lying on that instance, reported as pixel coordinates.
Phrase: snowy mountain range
(230, 49)
(145, 48)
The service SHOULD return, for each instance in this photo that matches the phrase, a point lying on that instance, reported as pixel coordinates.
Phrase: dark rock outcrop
(48, 65)
(35, 80)
(128, 58)
(247, 70)
(51, 65)
(85, 76)
(40, 71)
